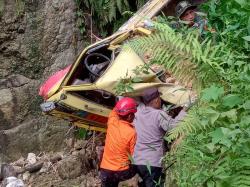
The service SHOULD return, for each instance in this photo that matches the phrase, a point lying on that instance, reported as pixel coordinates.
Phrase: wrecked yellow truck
(85, 93)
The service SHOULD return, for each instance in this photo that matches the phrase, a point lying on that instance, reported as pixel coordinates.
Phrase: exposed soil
(77, 166)
(52, 179)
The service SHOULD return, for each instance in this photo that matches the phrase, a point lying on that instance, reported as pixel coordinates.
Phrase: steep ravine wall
(37, 38)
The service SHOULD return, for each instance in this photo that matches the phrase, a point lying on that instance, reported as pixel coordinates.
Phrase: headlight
(48, 106)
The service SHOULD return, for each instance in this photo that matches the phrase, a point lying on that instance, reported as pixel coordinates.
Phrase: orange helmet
(126, 106)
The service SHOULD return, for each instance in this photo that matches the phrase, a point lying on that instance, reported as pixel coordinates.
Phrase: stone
(31, 158)
(99, 152)
(4, 36)
(19, 140)
(7, 171)
(32, 136)
(13, 182)
(6, 97)
(17, 80)
(75, 153)
(6, 108)
(69, 168)
(19, 170)
(34, 167)
(21, 29)
(69, 142)
(170, 80)
(90, 181)
(31, 179)
(38, 40)
(80, 144)
(26, 100)
(82, 153)
(56, 157)
(133, 182)
(20, 162)
(26, 176)
(45, 168)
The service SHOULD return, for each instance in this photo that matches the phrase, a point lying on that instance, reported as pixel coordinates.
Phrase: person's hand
(212, 30)
(192, 101)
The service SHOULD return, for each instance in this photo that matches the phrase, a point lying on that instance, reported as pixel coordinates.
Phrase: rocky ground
(76, 166)
(37, 38)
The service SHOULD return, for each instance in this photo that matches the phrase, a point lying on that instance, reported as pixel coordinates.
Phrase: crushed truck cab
(84, 92)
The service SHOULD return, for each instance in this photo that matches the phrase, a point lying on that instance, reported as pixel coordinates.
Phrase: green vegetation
(215, 148)
(34, 105)
(107, 15)
(1, 7)
(81, 133)
(20, 5)
(231, 19)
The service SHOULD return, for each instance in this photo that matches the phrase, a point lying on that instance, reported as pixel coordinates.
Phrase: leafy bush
(215, 151)
(231, 19)
(216, 144)
(108, 15)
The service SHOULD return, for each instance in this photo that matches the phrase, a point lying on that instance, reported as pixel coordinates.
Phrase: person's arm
(167, 122)
(131, 148)
(113, 116)
(132, 144)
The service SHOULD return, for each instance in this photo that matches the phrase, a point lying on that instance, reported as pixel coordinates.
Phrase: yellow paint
(143, 31)
(122, 66)
(148, 11)
(89, 127)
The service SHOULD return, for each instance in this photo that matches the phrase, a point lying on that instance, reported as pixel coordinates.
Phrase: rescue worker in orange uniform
(119, 144)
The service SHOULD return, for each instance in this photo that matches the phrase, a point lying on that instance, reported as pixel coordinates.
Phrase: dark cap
(150, 94)
(182, 7)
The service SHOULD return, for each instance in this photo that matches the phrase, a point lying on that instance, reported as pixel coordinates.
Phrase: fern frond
(112, 10)
(189, 124)
(119, 5)
(189, 61)
(184, 56)
(241, 178)
(139, 3)
(126, 3)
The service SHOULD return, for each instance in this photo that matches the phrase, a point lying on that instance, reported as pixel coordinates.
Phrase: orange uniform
(119, 144)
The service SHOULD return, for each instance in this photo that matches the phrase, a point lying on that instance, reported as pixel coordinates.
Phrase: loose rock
(79, 144)
(69, 168)
(26, 176)
(12, 182)
(55, 158)
(133, 182)
(34, 167)
(7, 171)
(45, 168)
(75, 153)
(69, 142)
(18, 169)
(20, 162)
(31, 158)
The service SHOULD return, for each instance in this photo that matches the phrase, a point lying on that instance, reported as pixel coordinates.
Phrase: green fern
(184, 56)
(112, 10)
(2, 5)
(119, 5)
(188, 60)
(108, 12)
(241, 178)
(215, 148)
(189, 124)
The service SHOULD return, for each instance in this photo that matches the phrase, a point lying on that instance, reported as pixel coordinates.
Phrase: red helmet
(126, 106)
